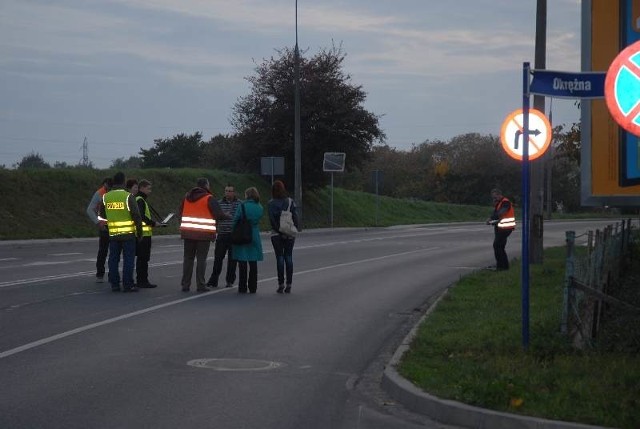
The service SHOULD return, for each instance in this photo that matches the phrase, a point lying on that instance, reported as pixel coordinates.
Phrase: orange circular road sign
(512, 132)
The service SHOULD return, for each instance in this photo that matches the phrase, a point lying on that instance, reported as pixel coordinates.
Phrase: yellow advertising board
(610, 156)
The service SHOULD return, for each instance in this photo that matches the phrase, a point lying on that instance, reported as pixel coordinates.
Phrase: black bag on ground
(242, 232)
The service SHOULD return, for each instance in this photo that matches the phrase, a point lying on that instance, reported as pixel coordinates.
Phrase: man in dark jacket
(229, 204)
(504, 222)
(199, 213)
(143, 248)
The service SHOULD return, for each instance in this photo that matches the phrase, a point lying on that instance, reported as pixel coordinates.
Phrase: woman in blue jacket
(249, 253)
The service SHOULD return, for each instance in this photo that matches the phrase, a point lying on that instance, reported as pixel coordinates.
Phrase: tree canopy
(332, 117)
(32, 160)
(177, 152)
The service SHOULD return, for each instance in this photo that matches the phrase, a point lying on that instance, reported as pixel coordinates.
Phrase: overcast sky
(124, 72)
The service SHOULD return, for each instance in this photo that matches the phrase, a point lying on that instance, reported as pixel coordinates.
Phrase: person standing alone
(282, 243)
(93, 210)
(504, 222)
(229, 204)
(143, 246)
(199, 214)
(125, 227)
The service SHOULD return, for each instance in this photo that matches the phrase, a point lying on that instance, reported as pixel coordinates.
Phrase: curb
(452, 412)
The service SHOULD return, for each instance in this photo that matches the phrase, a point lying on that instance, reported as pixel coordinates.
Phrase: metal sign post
(272, 166)
(525, 205)
(333, 162)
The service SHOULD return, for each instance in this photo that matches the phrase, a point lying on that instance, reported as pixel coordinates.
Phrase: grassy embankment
(51, 203)
(470, 349)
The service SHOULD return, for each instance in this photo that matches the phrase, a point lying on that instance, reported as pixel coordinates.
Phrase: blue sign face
(568, 85)
(630, 144)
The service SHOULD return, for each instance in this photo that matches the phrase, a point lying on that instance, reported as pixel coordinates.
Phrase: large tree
(177, 152)
(332, 116)
(33, 160)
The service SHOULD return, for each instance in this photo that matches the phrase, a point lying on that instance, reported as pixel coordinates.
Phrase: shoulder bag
(242, 232)
(287, 227)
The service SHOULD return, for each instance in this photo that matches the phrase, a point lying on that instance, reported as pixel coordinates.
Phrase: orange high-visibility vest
(508, 218)
(197, 219)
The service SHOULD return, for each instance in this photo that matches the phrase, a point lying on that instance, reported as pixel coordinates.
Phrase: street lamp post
(296, 138)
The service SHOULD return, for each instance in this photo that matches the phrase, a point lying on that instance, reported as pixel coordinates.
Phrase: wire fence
(592, 273)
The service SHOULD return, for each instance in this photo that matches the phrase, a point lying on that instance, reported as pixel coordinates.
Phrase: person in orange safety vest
(198, 216)
(504, 222)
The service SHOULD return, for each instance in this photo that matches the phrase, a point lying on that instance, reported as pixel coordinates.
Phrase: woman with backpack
(283, 233)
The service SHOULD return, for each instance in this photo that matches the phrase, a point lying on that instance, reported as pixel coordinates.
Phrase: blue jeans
(128, 250)
(283, 248)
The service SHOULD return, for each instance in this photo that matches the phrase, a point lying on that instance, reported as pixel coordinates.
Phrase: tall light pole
(536, 254)
(296, 132)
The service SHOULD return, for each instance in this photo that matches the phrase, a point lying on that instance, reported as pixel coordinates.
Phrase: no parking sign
(622, 89)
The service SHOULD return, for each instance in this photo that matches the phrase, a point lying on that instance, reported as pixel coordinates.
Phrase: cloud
(378, 43)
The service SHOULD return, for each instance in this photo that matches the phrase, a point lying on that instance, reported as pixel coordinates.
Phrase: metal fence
(591, 274)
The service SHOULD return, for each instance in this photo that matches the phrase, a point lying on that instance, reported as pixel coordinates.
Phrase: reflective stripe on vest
(507, 222)
(196, 216)
(119, 221)
(146, 229)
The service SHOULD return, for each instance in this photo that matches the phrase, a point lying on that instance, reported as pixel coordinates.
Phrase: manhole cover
(235, 364)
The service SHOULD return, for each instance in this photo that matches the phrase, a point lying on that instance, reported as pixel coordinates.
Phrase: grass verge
(470, 350)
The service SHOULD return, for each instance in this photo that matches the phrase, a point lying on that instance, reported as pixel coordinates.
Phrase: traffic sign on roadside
(511, 134)
(622, 88)
(561, 84)
(333, 162)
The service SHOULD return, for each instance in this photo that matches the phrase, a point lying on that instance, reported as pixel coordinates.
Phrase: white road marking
(164, 264)
(65, 254)
(81, 329)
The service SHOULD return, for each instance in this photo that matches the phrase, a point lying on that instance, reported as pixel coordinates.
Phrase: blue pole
(525, 205)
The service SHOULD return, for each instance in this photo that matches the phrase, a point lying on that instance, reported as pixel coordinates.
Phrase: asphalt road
(75, 355)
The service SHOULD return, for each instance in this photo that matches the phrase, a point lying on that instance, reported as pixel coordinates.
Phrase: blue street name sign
(568, 84)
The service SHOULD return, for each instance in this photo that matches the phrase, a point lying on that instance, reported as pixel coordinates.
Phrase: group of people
(204, 219)
(125, 221)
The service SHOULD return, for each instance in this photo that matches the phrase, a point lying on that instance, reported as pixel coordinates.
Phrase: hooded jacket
(198, 215)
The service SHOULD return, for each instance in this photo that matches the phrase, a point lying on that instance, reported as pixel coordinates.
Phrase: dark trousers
(223, 248)
(283, 248)
(103, 251)
(143, 255)
(499, 244)
(195, 250)
(252, 282)
(128, 250)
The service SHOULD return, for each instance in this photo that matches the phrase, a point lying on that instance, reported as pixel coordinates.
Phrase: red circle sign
(622, 89)
(512, 134)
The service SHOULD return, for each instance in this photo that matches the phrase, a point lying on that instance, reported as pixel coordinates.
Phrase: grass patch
(52, 202)
(470, 350)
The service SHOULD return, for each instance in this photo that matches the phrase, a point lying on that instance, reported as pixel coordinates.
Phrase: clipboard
(168, 218)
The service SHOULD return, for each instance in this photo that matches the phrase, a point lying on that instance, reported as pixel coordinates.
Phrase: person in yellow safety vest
(198, 214)
(504, 221)
(143, 247)
(125, 227)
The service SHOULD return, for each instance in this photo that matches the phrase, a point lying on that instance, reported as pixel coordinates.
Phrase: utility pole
(296, 138)
(537, 166)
